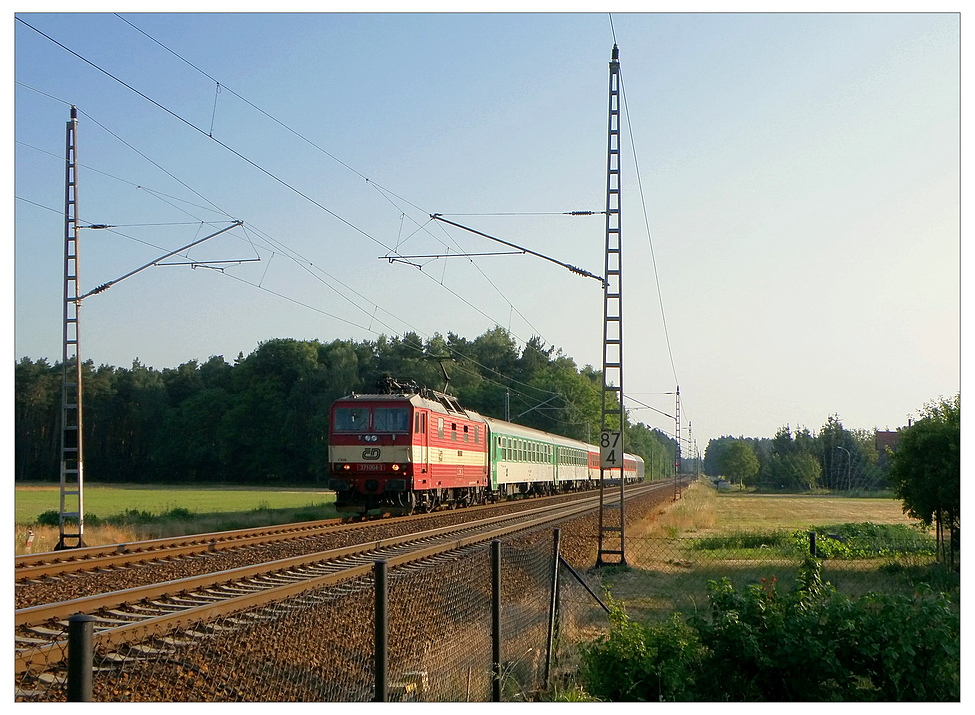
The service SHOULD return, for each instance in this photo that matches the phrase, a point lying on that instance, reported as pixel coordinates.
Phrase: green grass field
(747, 512)
(105, 501)
(746, 537)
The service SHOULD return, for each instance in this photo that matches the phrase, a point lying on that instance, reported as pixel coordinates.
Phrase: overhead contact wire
(646, 220)
(265, 113)
(383, 190)
(270, 175)
(204, 133)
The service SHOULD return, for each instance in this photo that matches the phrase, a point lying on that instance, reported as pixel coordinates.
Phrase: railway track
(131, 616)
(92, 559)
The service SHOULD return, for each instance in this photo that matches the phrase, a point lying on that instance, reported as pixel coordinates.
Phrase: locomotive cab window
(391, 419)
(351, 419)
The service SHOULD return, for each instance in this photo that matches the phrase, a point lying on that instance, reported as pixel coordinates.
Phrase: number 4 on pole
(610, 452)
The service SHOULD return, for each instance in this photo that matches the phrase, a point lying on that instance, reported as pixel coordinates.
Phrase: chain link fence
(321, 645)
(666, 575)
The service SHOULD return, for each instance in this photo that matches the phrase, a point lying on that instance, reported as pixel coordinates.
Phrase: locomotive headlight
(395, 467)
(346, 467)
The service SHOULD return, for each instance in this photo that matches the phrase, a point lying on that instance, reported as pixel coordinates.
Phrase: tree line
(923, 469)
(264, 417)
(836, 459)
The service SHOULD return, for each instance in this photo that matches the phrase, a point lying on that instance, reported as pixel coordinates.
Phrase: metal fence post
(553, 605)
(812, 543)
(382, 643)
(496, 621)
(81, 630)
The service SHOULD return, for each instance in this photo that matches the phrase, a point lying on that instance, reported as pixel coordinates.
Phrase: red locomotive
(403, 451)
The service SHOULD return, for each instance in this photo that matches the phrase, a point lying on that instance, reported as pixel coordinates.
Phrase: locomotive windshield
(391, 419)
(384, 419)
(351, 419)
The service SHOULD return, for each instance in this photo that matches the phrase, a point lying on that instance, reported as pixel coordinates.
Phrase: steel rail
(48, 654)
(93, 558)
(107, 557)
(35, 615)
(149, 544)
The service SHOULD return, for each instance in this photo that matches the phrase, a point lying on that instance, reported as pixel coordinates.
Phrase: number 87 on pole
(610, 450)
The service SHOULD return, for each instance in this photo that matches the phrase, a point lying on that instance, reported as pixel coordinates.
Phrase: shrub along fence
(496, 622)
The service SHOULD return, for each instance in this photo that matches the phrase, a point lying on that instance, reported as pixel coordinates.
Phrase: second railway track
(91, 559)
(131, 615)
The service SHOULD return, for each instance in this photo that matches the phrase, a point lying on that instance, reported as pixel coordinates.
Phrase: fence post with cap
(81, 630)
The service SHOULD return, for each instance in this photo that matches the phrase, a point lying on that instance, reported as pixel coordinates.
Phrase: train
(416, 450)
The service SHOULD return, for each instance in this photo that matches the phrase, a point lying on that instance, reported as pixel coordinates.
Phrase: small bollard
(81, 630)
(30, 541)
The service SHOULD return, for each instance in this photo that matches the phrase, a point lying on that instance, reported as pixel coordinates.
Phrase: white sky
(799, 175)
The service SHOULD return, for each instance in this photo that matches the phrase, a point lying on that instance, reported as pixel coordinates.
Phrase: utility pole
(611, 526)
(71, 517)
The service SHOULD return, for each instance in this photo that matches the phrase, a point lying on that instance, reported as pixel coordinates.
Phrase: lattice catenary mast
(72, 514)
(677, 456)
(611, 521)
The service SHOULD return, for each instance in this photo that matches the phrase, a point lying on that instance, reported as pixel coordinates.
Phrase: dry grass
(125, 513)
(747, 512)
(694, 512)
(46, 537)
(703, 510)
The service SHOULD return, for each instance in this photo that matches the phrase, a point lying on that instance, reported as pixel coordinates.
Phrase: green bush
(643, 662)
(132, 516)
(810, 644)
(52, 517)
(865, 540)
(744, 540)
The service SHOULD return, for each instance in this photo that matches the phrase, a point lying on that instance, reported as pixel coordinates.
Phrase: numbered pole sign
(610, 450)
